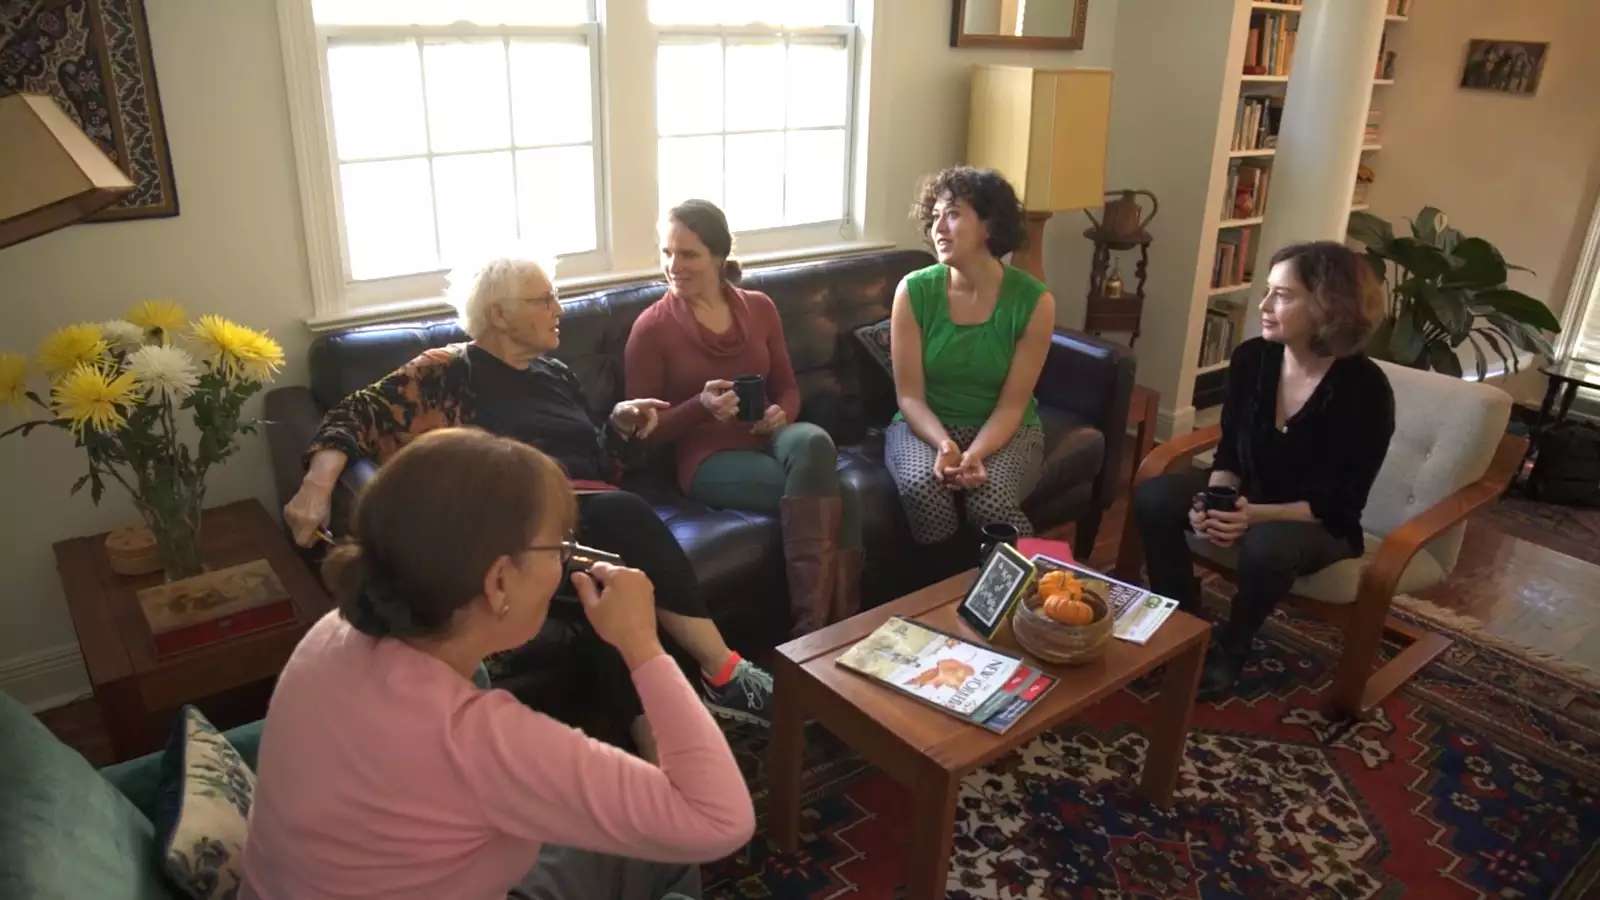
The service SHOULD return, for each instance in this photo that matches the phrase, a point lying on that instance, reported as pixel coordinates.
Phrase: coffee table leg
(783, 762)
(932, 833)
(1170, 730)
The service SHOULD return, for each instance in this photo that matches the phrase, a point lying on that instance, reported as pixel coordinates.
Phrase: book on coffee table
(214, 606)
(978, 684)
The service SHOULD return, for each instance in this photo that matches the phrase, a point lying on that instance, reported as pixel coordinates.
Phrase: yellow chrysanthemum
(13, 379)
(71, 347)
(222, 342)
(164, 316)
(93, 397)
(260, 357)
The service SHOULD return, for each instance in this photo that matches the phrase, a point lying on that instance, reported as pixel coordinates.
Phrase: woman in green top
(968, 337)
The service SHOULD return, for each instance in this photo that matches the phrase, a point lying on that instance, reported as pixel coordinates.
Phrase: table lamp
(51, 173)
(1045, 131)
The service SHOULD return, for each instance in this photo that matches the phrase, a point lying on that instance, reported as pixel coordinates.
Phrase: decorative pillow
(203, 809)
(875, 338)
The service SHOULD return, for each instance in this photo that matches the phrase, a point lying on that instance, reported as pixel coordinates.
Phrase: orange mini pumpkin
(1054, 582)
(1069, 609)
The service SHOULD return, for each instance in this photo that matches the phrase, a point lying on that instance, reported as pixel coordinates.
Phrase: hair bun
(732, 271)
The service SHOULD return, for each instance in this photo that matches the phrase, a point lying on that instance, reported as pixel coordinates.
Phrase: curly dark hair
(989, 194)
(1346, 298)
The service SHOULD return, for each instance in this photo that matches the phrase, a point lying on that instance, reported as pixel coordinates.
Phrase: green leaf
(1480, 364)
(1502, 347)
(78, 485)
(1520, 307)
(1443, 360)
(1372, 231)
(1449, 238)
(1425, 227)
(1423, 260)
(1450, 308)
(1476, 263)
(1406, 343)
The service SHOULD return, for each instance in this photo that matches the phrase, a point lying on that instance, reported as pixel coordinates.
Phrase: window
(427, 131)
(754, 117)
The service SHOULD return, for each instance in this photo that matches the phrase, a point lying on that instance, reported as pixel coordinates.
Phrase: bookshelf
(1242, 176)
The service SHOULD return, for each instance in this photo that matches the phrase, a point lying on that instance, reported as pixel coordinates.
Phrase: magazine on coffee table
(1136, 613)
(978, 684)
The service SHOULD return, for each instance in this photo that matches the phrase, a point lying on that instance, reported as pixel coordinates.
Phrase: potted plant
(1445, 289)
(120, 388)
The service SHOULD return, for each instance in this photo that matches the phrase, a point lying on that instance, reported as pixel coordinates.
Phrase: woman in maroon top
(686, 349)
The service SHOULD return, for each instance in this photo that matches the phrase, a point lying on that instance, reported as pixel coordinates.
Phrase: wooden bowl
(1059, 642)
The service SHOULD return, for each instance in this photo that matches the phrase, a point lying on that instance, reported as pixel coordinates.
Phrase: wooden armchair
(1449, 456)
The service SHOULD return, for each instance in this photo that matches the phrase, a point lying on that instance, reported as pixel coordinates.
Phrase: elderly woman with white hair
(504, 382)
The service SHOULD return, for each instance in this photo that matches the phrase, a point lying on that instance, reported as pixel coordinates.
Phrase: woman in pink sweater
(387, 772)
(686, 349)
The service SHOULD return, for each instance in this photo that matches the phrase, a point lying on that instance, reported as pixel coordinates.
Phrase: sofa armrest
(1093, 379)
(291, 417)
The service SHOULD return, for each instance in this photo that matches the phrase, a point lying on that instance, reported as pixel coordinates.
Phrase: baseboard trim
(46, 678)
(1174, 422)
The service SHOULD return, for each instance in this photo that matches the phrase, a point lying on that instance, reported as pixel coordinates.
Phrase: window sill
(426, 307)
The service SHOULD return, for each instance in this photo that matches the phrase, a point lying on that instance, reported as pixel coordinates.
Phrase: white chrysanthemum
(123, 336)
(168, 372)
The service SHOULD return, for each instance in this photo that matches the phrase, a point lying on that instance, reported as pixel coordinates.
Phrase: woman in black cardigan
(1305, 427)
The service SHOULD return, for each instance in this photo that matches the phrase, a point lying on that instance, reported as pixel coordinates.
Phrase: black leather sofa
(1083, 397)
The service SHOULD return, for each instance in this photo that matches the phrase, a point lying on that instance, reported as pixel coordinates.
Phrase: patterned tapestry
(93, 57)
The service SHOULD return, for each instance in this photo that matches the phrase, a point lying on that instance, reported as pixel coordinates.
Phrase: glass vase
(174, 520)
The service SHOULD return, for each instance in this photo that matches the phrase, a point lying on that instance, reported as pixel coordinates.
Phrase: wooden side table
(929, 751)
(1142, 406)
(136, 690)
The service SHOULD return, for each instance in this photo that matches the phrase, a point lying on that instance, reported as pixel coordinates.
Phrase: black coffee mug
(1223, 497)
(752, 393)
(995, 533)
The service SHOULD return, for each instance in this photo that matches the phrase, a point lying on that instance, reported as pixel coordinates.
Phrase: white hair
(476, 287)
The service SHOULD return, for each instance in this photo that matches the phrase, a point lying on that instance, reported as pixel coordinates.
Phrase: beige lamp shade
(51, 173)
(1045, 131)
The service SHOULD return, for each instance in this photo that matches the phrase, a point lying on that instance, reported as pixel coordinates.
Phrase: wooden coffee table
(929, 751)
(138, 690)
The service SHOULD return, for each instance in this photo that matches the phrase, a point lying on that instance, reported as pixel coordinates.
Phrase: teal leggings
(802, 463)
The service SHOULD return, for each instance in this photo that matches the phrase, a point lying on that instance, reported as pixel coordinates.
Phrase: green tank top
(964, 366)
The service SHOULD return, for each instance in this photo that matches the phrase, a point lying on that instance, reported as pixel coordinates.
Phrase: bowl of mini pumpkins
(1062, 620)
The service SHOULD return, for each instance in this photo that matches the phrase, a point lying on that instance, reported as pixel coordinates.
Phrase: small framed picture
(1003, 580)
(1513, 67)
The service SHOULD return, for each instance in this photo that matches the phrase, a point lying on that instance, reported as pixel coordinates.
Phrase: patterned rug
(1573, 530)
(1481, 778)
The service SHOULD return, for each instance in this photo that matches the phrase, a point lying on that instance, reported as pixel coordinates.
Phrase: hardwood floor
(1520, 591)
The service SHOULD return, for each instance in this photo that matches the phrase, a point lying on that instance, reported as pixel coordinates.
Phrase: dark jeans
(627, 525)
(1271, 555)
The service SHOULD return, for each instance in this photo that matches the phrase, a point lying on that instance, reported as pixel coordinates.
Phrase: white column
(1319, 138)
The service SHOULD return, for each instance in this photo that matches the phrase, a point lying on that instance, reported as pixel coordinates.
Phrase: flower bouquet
(121, 389)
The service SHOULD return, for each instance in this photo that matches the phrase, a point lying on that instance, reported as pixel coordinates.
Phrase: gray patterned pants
(931, 507)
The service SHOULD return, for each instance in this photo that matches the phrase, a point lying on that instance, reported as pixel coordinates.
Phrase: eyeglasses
(576, 557)
(568, 549)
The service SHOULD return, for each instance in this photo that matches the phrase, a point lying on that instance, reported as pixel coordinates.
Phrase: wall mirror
(1022, 24)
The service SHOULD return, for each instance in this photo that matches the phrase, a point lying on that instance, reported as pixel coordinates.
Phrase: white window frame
(623, 52)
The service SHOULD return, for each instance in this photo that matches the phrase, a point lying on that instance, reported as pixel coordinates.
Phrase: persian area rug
(1480, 778)
(94, 58)
(1573, 530)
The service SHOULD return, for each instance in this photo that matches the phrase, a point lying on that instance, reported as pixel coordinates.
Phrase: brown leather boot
(847, 584)
(810, 552)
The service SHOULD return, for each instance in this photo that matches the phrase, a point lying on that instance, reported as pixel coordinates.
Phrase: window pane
(688, 85)
(550, 92)
(819, 76)
(477, 208)
(689, 167)
(467, 103)
(555, 194)
(744, 12)
(433, 12)
(388, 218)
(814, 176)
(755, 77)
(377, 99)
(755, 180)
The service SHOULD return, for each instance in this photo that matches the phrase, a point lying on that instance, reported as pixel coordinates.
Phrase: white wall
(918, 107)
(1522, 172)
(236, 249)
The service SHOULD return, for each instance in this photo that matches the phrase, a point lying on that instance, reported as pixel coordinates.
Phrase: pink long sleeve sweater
(383, 773)
(671, 356)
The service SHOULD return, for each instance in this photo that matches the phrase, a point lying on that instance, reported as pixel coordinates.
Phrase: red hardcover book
(193, 637)
(214, 606)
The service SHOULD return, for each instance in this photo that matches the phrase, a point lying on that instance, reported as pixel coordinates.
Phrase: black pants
(626, 525)
(1271, 555)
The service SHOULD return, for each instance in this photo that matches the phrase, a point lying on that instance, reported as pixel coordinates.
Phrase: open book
(978, 684)
(1136, 613)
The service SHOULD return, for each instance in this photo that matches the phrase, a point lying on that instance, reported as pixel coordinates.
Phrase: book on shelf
(1216, 337)
(978, 684)
(1246, 188)
(1231, 265)
(1399, 8)
(1255, 123)
(1269, 44)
